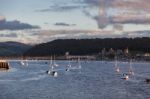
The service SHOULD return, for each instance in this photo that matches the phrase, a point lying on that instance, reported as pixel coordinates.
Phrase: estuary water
(95, 80)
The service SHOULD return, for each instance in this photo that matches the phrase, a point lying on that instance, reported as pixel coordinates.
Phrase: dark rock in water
(147, 81)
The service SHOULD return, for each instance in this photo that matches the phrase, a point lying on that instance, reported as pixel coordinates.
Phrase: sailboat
(55, 64)
(51, 69)
(130, 72)
(79, 63)
(77, 66)
(117, 69)
(68, 66)
(26, 62)
(22, 63)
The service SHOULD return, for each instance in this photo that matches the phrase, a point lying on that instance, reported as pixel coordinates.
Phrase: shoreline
(64, 58)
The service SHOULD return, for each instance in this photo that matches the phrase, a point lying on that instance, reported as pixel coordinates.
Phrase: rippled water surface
(95, 80)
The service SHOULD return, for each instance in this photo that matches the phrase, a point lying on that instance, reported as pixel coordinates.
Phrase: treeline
(12, 49)
(88, 46)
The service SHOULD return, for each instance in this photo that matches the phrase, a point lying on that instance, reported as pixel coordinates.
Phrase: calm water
(96, 80)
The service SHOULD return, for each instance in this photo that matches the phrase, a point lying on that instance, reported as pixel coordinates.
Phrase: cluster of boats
(127, 75)
(54, 72)
(53, 64)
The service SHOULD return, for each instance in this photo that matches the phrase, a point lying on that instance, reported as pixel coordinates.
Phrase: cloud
(14, 25)
(131, 19)
(2, 18)
(63, 24)
(132, 4)
(112, 12)
(118, 27)
(59, 8)
(41, 36)
(11, 35)
(101, 17)
(145, 33)
(109, 12)
(48, 35)
(92, 2)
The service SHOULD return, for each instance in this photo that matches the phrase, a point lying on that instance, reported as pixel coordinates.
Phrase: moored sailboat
(117, 69)
(130, 72)
(51, 70)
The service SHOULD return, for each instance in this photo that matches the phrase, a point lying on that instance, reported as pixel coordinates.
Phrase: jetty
(4, 65)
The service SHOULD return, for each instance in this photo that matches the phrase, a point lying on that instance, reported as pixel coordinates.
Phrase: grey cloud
(92, 2)
(11, 35)
(130, 19)
(63, 24)
(145, 33)
(130, 12)
(15, 25)
(59, 8)
(102, 18)
(40, 36)
(118, 27)
(98, 2)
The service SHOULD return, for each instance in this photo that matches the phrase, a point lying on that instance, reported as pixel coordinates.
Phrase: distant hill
(88, 46)
(13, 48)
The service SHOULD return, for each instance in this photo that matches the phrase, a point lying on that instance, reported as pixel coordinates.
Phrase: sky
(38, 21)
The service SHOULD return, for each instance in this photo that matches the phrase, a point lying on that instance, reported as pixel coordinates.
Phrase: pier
(4, 65)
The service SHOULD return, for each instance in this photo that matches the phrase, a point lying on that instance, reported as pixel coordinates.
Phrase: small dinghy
(125, 76)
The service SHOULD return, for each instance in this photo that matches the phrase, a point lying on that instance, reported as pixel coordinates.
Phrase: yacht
(117, 69)
(79, 63)
(130, 69)
(51, 70)
(76, 66)
(22, 63)
(68, 66)
(55, 64)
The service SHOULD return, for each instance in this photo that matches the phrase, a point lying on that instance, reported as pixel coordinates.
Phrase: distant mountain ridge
(88, 46)
(13, 48)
